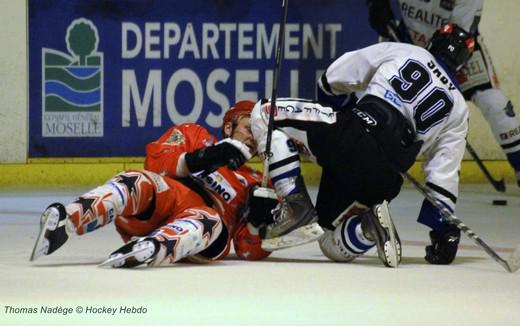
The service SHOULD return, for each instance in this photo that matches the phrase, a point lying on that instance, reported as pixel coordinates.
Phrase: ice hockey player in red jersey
(189, 203)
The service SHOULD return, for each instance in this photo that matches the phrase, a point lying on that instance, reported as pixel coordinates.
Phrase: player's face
(242, 132)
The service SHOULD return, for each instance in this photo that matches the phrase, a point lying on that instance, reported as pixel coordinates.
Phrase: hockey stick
(499, 185)
(511, 265)
(276, 73)
(392, 31)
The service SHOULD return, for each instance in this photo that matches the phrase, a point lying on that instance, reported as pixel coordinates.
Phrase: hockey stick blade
(514, 260)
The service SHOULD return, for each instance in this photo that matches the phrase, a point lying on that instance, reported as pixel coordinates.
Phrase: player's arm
(467, 13)
(166, 155)
(352, 71)
(189, 149)
(380, 16)
(442, 165)
(442, 176)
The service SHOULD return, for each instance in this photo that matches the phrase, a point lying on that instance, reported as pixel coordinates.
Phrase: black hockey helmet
(452, 45)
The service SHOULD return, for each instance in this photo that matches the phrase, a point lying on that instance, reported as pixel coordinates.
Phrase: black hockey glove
(444, 246)
(262, 202)
(210, 158)
(380, 16)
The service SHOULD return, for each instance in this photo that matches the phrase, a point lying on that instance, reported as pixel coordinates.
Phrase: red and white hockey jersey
(229, 189)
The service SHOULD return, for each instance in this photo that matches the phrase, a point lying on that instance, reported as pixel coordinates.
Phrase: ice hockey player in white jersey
(478, 80)
(410, 105)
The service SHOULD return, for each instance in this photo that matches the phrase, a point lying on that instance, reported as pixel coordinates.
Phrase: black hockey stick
(276, 73)
(511, 265)
(499, 185)
(393, 31)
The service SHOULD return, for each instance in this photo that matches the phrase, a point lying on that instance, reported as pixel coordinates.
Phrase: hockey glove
(228, 152)
(262, 202)
(444, 246)
(380, 16)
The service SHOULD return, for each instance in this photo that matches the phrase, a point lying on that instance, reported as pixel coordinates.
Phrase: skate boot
(296, 210)
(377, 226)
(55, 228)
(295, 221)
(134, 253)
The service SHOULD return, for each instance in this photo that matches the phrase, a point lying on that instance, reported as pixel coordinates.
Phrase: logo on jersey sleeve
(176, 138)
(393, 98)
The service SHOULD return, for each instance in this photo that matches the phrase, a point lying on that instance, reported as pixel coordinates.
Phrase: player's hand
(262, 202)
(444, 246)
(380, 16)
(224, 153)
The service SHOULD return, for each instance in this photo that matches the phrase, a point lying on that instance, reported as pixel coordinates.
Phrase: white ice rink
(298, 286)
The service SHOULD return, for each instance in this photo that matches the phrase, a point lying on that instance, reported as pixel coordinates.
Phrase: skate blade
(41, 247)
(391, 247)
(300, 236)
(119, 260)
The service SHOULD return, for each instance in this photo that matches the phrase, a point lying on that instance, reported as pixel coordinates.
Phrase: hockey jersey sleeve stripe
(325, 83)
(511, 145)
(288, 174)
(442, 191)
(283, 162)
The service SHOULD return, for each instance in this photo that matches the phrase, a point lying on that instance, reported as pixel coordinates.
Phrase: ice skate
(297, 237)
(133, 254)
(378, 226)
(295, 211)
(55, 228)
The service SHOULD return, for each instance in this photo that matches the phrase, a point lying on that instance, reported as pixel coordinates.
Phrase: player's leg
(284, 170)
(357, 234)
(499, 113)
(356, 227)
(128, 193)
(360, 174)
(197, 231)
(344, 240)
(480, 84)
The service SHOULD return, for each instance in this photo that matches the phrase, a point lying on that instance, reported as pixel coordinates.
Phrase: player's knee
(258, 123)
(333, 247)
(491, 102)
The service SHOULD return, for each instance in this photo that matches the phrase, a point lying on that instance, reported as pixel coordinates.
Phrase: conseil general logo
(72, 84)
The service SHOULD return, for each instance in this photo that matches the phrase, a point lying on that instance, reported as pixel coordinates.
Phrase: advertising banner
(107, 77)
